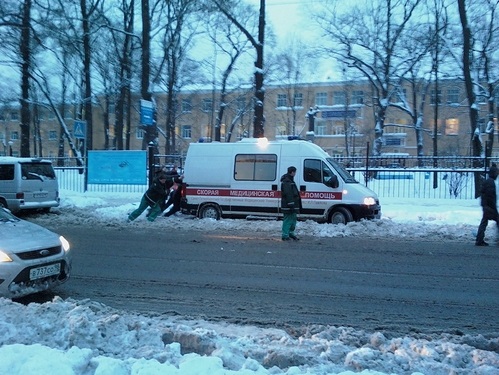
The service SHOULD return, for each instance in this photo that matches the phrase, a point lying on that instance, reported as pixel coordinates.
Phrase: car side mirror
(333, 182)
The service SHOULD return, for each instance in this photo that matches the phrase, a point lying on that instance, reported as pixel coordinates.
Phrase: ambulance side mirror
(333, 182)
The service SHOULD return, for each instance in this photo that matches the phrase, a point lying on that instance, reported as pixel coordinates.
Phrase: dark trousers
(488, 214)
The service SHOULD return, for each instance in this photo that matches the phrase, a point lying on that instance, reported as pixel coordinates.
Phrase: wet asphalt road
(391, 285)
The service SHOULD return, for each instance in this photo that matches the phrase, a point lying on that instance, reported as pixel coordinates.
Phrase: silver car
(32, 258)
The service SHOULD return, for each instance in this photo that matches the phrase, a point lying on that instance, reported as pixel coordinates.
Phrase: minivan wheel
(3, 204)
(209, 211)
(340, 215)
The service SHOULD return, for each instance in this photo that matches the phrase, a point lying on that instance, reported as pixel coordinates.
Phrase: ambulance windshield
(345, 175)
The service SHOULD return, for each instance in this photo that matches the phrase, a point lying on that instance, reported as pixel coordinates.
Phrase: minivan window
(255, 167)
(37, 171)
(6, 172)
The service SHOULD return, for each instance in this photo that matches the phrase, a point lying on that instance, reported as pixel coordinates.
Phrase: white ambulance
(242, 179)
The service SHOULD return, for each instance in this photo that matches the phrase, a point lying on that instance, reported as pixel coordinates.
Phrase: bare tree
(176, 37)
(368, 38)
(226, 8)
(232, 43)
(121, 38)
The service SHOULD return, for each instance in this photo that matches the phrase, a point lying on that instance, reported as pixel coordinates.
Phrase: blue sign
(117, 167)
(146, 112)
(339, 113)
(80, 129)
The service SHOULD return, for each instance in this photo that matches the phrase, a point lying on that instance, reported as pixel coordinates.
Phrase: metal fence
(453, 178)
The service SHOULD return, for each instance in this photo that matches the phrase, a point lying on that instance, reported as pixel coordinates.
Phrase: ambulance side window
(317, 171)
(312, 170)
(255, 167)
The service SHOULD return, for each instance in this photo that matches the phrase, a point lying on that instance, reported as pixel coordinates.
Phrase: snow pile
(85, 337)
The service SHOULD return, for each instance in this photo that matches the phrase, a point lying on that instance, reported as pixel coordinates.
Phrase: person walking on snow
(154, 197)
(290, 204)
(489, 205)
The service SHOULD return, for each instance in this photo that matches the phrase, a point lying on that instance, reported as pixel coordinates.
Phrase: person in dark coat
(175, 198)
(290, 204)
(154, 197)
(489, 205)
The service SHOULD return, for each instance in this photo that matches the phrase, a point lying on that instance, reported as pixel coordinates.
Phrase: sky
(83, 337)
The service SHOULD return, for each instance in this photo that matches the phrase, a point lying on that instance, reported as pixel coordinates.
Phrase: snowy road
(393, 286)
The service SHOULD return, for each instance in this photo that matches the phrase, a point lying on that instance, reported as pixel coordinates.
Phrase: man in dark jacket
(290, 204)
(489, 205)
(154, 197)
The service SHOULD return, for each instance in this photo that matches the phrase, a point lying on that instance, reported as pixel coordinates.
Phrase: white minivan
(242, 179)
(27, 184)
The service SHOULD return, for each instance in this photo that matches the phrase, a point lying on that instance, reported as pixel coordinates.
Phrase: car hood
(24, 236)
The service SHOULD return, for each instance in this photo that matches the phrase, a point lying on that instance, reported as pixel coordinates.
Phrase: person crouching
(154, 197)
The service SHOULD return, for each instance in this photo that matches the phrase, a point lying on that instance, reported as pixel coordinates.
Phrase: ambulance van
(27, 184)
(242, 179)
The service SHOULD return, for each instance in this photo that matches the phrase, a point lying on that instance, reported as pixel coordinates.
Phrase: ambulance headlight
(369, 201)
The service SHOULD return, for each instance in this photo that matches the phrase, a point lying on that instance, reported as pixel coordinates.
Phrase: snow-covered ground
(87, 338)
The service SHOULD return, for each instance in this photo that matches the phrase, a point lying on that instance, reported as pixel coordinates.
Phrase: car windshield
(345, 175)
(6, 216)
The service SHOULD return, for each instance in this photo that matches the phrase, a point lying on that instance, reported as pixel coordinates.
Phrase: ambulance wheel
(209, 211)
(340, 215)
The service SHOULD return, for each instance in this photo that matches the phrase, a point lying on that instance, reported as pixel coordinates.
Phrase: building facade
(338, 116)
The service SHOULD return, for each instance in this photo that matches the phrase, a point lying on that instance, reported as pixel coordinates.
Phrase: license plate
(39, 195)
(39, 272)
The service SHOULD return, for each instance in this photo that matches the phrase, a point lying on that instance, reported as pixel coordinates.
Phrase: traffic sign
(146, 112)
(79, 130)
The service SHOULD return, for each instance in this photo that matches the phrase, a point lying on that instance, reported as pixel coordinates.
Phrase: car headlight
(64, 243)
(369, 201)
(4, 257)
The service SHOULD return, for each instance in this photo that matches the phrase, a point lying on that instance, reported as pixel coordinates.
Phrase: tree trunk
(87, 51)
(259, 120)
(151, 132)
(473, 111)
(25, 48)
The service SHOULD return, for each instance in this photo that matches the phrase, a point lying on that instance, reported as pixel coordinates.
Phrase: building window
(436, 97)
(14, 115)
(452, 96)
(207, 105)
(186, 131)
(338, 130)
(452, 126)
(321, 98)
(52, 135)
(298, 101)
(186, 106)
(241, 104)
(282, 100)
(14, 135)
(357, 97)
(67, 113)
(339, 98)
(320, 129)
(393, 141)
(139, 133)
